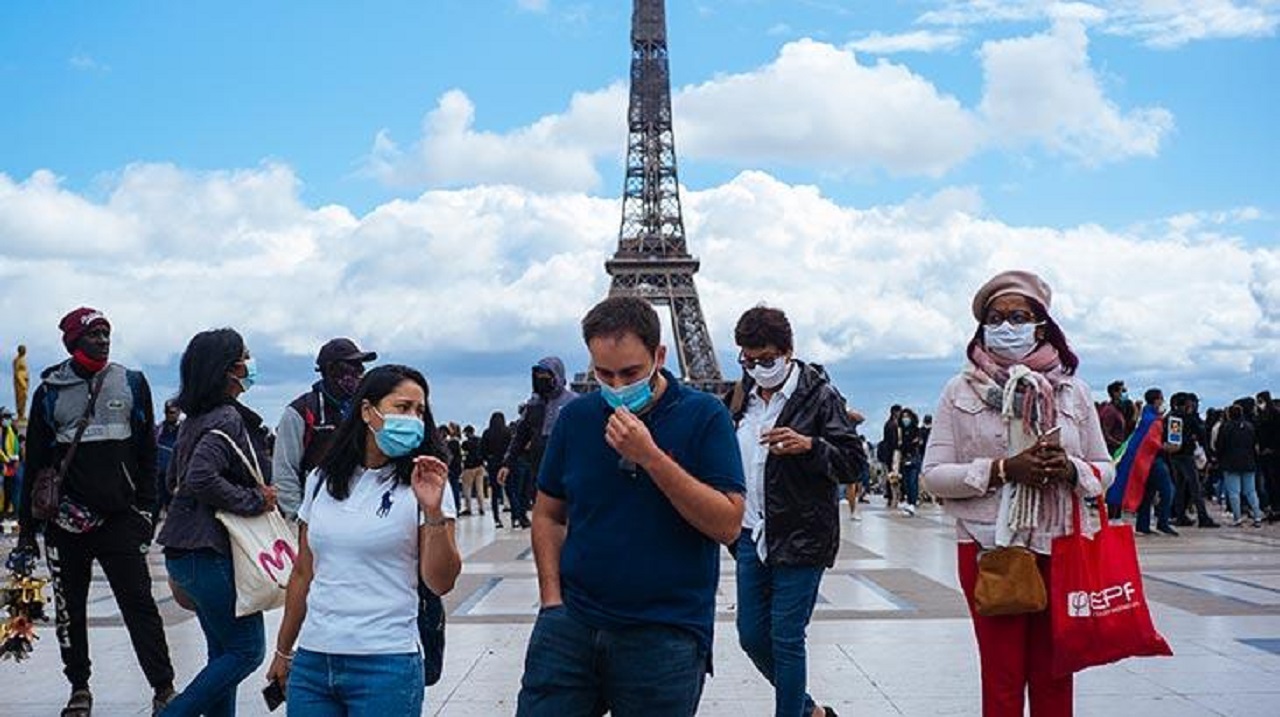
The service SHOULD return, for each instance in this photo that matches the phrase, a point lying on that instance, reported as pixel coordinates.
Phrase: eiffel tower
(653, 260)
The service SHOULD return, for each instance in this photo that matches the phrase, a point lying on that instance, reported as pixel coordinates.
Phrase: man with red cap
(309, 422)
(107, 500)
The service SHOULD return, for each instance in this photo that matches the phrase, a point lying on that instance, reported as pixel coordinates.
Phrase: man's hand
(503, 472)
(628, 435)
(268, 498)
(786, 442)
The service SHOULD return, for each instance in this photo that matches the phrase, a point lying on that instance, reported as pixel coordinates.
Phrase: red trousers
(1015, 653)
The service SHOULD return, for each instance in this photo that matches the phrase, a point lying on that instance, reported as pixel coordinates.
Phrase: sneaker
(855, 518)
(1237, 522)
(163, 697)
(1257, 523)
(1183, 522)
(1208, 524)
(80, 704)
(909, 510)
(1168, 530)
(465, 512)
(1143, 532)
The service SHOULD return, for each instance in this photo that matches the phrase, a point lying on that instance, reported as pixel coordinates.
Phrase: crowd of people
(644, 469)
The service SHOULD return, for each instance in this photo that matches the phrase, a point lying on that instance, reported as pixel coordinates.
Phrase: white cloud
(816, 106)
(1043, 89)
(915, 41)
(490, 270)
(1157, 23)
(85, 63)
(557, 152)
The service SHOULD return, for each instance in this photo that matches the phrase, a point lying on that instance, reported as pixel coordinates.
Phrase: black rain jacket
(802, 512)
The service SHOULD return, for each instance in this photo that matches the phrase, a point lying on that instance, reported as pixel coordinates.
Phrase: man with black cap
(107, 500)
(309, 422)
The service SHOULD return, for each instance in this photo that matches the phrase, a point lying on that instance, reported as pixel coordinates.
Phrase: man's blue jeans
(323, 685)
(235, 645)
(574, 670)
(1162, 483)
(774, 606)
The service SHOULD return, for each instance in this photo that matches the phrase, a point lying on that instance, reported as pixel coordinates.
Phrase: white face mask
(772, 377)
(1009, 341)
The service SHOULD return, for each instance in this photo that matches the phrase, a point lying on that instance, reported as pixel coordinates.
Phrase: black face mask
(543, 385)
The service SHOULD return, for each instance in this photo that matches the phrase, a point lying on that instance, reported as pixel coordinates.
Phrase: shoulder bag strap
(251, 466)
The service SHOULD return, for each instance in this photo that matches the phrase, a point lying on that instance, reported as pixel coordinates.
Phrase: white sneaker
(909, 510)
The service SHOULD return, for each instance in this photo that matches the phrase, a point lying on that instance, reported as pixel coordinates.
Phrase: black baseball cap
(343, 349)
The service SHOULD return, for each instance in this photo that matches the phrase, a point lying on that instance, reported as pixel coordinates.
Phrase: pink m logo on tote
(274, 561)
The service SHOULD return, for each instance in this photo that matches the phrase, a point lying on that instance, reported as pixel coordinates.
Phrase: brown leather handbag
(1009, 583)
(46, 492)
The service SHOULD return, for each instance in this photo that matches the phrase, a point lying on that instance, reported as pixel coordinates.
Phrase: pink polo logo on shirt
(274, 562)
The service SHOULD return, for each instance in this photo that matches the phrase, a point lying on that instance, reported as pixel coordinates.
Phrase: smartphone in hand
(1052, 437)
(273, 694)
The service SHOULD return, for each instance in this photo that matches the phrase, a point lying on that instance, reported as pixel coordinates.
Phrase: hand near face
(430, 481)
(628, 435)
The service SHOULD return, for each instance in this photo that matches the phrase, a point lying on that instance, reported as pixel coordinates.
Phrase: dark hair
(617, 316)
(1052, 335)
(1152, 395)
(908, 413)
(202, 373)
(469, 429)
(346, 453)
(895, 408)
(497, 421)
(762, 326)
(1235, 412)
(1114, 388)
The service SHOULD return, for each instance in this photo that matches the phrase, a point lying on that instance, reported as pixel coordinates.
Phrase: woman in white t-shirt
(377, 514)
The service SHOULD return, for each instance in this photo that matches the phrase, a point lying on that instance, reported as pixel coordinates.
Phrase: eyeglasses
(1017, 318)
(769, 362)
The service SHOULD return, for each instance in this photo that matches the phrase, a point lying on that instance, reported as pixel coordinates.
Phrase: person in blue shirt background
(640, 485)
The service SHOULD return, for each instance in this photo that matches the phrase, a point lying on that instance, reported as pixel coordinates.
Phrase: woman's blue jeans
(236, 645)
(774, 607)
(325, 685)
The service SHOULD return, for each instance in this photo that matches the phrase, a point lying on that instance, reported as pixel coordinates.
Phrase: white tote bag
(263, 549)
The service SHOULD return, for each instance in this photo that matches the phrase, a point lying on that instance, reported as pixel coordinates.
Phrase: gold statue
(21, 381)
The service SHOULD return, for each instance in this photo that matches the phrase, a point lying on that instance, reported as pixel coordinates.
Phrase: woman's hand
(430, 481)
(1040, 465)
(279, 671)
(268, 497)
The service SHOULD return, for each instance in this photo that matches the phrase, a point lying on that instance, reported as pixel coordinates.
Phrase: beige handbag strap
(252, 466)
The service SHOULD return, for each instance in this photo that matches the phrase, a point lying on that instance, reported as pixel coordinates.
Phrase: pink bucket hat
(1019, 282)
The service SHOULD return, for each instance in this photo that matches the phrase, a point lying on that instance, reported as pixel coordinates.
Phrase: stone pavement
(890, 635)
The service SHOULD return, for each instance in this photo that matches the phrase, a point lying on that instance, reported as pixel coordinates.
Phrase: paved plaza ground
(890, 635)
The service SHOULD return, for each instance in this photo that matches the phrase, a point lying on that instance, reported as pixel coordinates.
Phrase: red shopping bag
(1099, 610)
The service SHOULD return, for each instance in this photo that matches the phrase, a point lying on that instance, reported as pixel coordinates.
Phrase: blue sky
(1041, 131)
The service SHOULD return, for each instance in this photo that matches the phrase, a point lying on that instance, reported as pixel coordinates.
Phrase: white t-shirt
(364, 592)
(760, 417)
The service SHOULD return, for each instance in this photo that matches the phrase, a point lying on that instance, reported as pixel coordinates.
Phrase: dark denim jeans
(321, 685)
(235, 645)
(519, 481)
(911, 482)
(1159, 482)
(574, 670)
(774, 607)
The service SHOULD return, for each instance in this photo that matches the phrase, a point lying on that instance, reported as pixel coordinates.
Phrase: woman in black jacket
(910, 451)
(1236, 448)
(797, 445)
(207, 475)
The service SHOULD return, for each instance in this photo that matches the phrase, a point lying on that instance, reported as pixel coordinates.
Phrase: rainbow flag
(1135, 457)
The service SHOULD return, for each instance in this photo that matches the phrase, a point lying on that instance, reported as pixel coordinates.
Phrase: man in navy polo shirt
(640, 485)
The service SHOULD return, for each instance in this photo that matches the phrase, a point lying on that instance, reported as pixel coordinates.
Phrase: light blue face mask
(250, 376)
(400, 435)
(635, 396)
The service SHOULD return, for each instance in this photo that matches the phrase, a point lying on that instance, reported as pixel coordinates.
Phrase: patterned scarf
(1025, 394)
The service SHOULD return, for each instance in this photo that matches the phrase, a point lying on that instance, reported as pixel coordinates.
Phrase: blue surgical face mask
(250, 376)
(635, 396)
(400, 435)
(1010, 341)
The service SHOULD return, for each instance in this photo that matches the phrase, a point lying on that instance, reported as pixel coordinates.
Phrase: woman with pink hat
(1015, 435)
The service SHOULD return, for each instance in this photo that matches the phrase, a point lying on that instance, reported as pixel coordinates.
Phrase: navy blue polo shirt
(629, 558)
